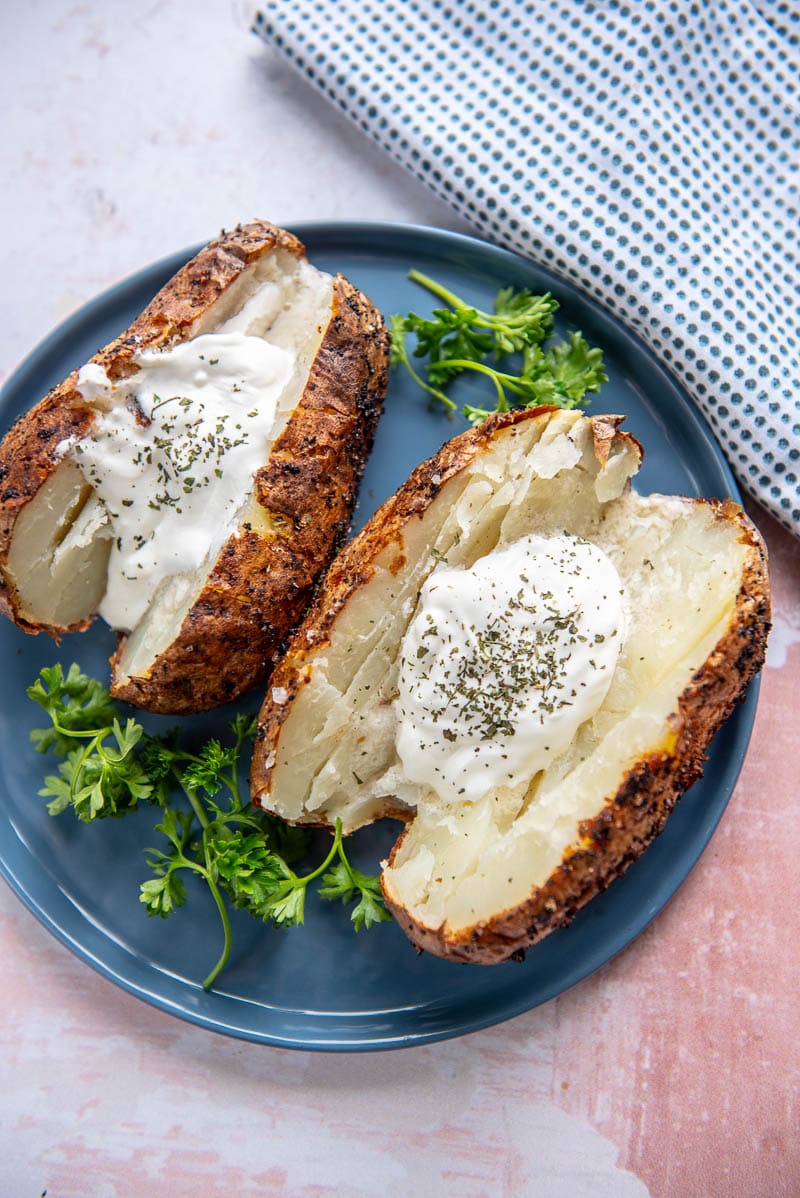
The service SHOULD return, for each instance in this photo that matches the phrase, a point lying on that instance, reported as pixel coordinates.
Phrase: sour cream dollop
(504, 661)
(171, 452)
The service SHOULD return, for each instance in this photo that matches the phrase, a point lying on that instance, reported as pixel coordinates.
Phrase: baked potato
(523, 660)
(193, 480)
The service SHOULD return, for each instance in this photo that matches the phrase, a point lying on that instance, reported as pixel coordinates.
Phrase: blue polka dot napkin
(649, 152)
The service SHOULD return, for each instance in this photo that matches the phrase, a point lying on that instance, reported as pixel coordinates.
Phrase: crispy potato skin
(634, 815)
(260, 585)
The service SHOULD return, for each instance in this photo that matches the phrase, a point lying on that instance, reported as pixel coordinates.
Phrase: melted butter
(172, 452)
(504, 661)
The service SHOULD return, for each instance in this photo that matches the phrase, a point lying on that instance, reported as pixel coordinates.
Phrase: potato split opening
(333, 752)
(62, 547)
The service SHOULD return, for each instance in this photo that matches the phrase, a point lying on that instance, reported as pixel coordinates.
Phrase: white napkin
(649, 152)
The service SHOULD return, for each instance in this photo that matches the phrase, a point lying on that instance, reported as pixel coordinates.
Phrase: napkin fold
(649, 152)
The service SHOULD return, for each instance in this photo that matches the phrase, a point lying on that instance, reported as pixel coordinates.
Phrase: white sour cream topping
(171, 453)
(504, 661)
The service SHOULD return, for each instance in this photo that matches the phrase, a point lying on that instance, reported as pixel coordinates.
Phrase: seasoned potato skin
(637, 812)
(260, 583)
(355, 564)
(633, 816)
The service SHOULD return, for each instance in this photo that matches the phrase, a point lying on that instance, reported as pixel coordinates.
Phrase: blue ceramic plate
(322, 987)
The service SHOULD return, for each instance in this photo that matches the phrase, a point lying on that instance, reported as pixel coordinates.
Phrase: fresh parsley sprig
(506, 346)
(101, 776)
(211, 830)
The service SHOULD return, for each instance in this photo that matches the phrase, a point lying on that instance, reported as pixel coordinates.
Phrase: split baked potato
(193, 480)
(584, 645)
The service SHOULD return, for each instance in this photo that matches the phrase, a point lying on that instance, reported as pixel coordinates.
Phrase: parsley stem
(509, 321)
(416, 276)
(498, 377)
(334, 850)
(208, 874)
(226, 928)
(232, 782)
(483, 320)
(77, 733)
(434, 391)
(196, 805)
(343, 855)
(163, 402)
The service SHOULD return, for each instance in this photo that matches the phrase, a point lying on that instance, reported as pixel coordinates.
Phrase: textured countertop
(132, 131)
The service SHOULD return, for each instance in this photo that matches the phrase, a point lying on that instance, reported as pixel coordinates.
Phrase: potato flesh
(59, 552)
(342, 723)
(463, 863)
(60, 547)
(464, 866)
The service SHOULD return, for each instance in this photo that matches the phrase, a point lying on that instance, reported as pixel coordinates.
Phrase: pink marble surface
(673, 1072)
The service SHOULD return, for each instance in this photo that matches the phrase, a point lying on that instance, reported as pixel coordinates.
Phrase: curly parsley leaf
(449, 335)
(576, 368)
(208, 771)
(243, 726)
(75, 703)
(521, 319)
(344, 882)
(249, 870)
(164, 894)
(102, 779)
(369, 909)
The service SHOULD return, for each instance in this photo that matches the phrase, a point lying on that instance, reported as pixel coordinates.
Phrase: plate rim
(336, 232)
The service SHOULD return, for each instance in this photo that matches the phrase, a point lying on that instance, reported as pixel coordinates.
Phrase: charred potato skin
(28, 452)
(355, 564)
(636, 813)
(261, 585)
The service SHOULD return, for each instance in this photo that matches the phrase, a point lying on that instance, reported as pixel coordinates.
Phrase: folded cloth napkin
(649, 152)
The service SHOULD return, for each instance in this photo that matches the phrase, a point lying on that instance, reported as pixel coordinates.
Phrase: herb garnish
(485, 686)
(109, 767)
(184, 456)
(462, 338)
